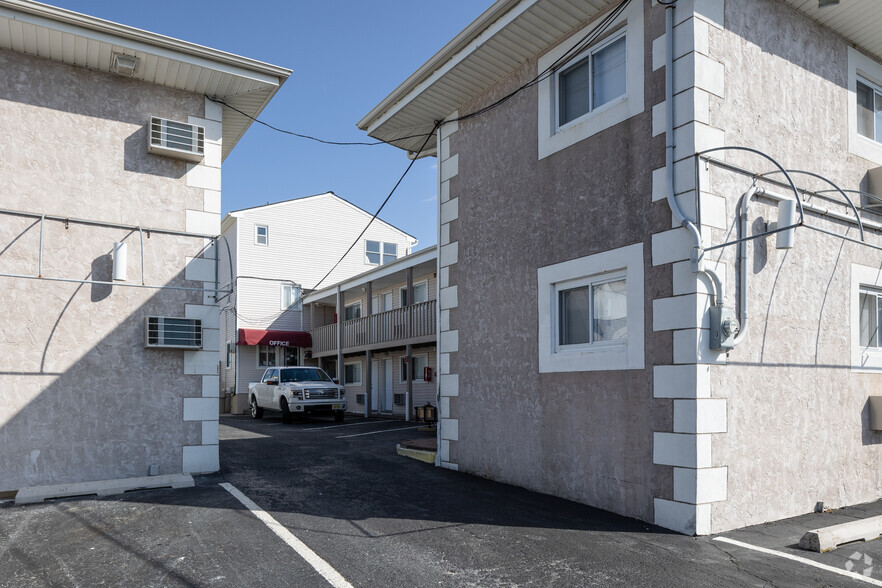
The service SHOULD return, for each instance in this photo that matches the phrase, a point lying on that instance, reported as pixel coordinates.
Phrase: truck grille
(320, 393)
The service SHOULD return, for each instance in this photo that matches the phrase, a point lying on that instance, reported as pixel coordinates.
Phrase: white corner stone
(200, 459)
(689, 519)
(199, 269)
(210, 386)
(689, 451)
(449, 297)
(209, 315)
(444, 319)
(680, 312)
(210, 432)
(681, 381)
(448, 342)
(201, 363)
(211, 201)
(449, 168)
(444, 363)
(700, 486)
(204, 223)
(449, 254)
(203, 176)
(450, 210)
(693, 346)
(449, 384)
(705, 415)
(688, 282)
(200, 409)
(671, 246)
(444, 450)
(450, 429)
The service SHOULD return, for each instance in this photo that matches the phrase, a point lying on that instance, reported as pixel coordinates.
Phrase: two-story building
(387, 340)
(682, 197)
(270, 256)
(111, 164)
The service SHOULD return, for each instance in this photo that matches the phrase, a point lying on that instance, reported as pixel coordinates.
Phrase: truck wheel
(256, 411)
(286, 412)
(338, 416)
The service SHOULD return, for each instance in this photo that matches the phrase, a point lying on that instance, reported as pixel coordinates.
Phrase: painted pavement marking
(333, 577)
(383, 431)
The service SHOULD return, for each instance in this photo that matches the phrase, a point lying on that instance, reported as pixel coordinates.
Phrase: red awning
(280, 338)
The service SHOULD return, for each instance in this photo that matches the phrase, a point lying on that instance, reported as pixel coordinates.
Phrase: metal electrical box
(724, 327)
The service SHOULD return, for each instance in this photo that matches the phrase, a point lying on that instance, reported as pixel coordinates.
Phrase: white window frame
(257, 235)
(271, 350)
(552, 137)
(589, 282)
(381, 252)
(587, 55)
(348, 306)
(360, 372)
(627, 354)
(402, 293)
(863, 359)
(417, 377)
(868, 70)
(296, 293)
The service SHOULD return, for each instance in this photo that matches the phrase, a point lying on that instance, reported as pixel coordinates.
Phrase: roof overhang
(85, 41)
(380, 277)
(274, 338)
(512, 31)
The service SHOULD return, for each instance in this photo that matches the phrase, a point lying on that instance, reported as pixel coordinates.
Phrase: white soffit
(80, 40)
(859, 21)
(508, 34)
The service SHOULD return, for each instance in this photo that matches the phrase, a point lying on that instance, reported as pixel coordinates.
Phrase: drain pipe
(697, 264)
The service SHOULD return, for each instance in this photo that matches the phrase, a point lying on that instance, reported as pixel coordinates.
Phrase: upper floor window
(869, 110)
(596, 79)
(420, 293)
(261, 235)
(378, 253)
(870, 310)
(352, 312)
(593, 88)
(290, 297)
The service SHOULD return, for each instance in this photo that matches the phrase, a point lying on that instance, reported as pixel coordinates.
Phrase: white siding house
(277, 252)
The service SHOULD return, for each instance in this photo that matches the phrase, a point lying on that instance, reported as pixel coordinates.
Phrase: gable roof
(510, 32)
(234, 214)
(80, 40)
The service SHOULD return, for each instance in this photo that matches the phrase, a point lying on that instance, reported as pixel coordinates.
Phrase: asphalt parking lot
(318, 504)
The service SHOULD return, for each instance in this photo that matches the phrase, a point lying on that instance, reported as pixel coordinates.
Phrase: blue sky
(346, 55)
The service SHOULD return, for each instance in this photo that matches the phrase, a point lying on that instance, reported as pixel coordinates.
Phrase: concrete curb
(830, 538)
(36, 494)
(418, 454)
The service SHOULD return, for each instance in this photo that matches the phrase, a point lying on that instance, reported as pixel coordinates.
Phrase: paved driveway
(319, 504)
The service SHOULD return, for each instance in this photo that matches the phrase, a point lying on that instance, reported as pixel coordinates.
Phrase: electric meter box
(724, 327)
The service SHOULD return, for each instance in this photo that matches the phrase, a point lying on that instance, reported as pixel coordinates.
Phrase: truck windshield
(304, 375)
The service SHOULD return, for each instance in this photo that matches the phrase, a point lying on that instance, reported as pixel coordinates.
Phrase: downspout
(697, 255)
(438, 414)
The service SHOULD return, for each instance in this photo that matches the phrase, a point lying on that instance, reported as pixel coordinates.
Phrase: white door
(387, 302)
(387, 385)
(375, 384)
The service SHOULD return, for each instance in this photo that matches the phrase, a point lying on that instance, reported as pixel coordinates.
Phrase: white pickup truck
(297, 390)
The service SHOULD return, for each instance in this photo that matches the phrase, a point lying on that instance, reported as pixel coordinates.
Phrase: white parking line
(321, 566)
(808, 562)
(378, 432)
(347, 425)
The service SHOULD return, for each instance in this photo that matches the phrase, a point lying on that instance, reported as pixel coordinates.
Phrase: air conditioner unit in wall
(173, 332)
(176, 139)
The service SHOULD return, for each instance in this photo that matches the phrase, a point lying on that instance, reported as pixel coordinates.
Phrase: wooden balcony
(409, 325)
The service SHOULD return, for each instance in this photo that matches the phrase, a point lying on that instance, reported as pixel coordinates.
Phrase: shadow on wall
(107, 411)
(869, 436)
(139, 160)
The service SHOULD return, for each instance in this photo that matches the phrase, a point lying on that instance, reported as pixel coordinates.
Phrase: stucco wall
(797, 417)
(586, 436)
(82, 399)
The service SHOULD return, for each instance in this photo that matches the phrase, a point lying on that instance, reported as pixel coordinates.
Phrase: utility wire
(398, 183)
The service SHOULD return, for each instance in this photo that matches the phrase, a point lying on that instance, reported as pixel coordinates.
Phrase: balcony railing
(401, 324)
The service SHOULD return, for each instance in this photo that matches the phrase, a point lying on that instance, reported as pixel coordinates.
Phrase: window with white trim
(352, 312)
(290, 297)
(380, 253)
(866, 304)
(591, 312)
(594, 89)
(869, 110)
(864, 106)
(420, 293)
(418, 362)
(266, 356)
(261, 235)
(352, 373)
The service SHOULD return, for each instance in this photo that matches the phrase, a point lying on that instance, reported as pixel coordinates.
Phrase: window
(352, 373)
(595, 80)
(420, 293)
(292, 356)
(864, 106)
(266, 356)
(352, 312)
(230, 352)
(869, 110)
(290, 297)
(419, 362)
(271, 376)
(261, 235)
(591, 312)
(595, 89)
(866, 305)
(175, 333)
(377, 252)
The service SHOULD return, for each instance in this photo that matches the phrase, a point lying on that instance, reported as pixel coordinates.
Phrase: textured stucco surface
(80, 397)
(585, 436)
(797, 418)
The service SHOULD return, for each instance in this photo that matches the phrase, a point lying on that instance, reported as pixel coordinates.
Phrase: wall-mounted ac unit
(173, 332)
(176, 139)
(874, 187)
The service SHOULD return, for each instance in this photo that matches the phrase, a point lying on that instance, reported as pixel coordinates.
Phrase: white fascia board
(399, 265)
(443, 61)
(88, 27)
